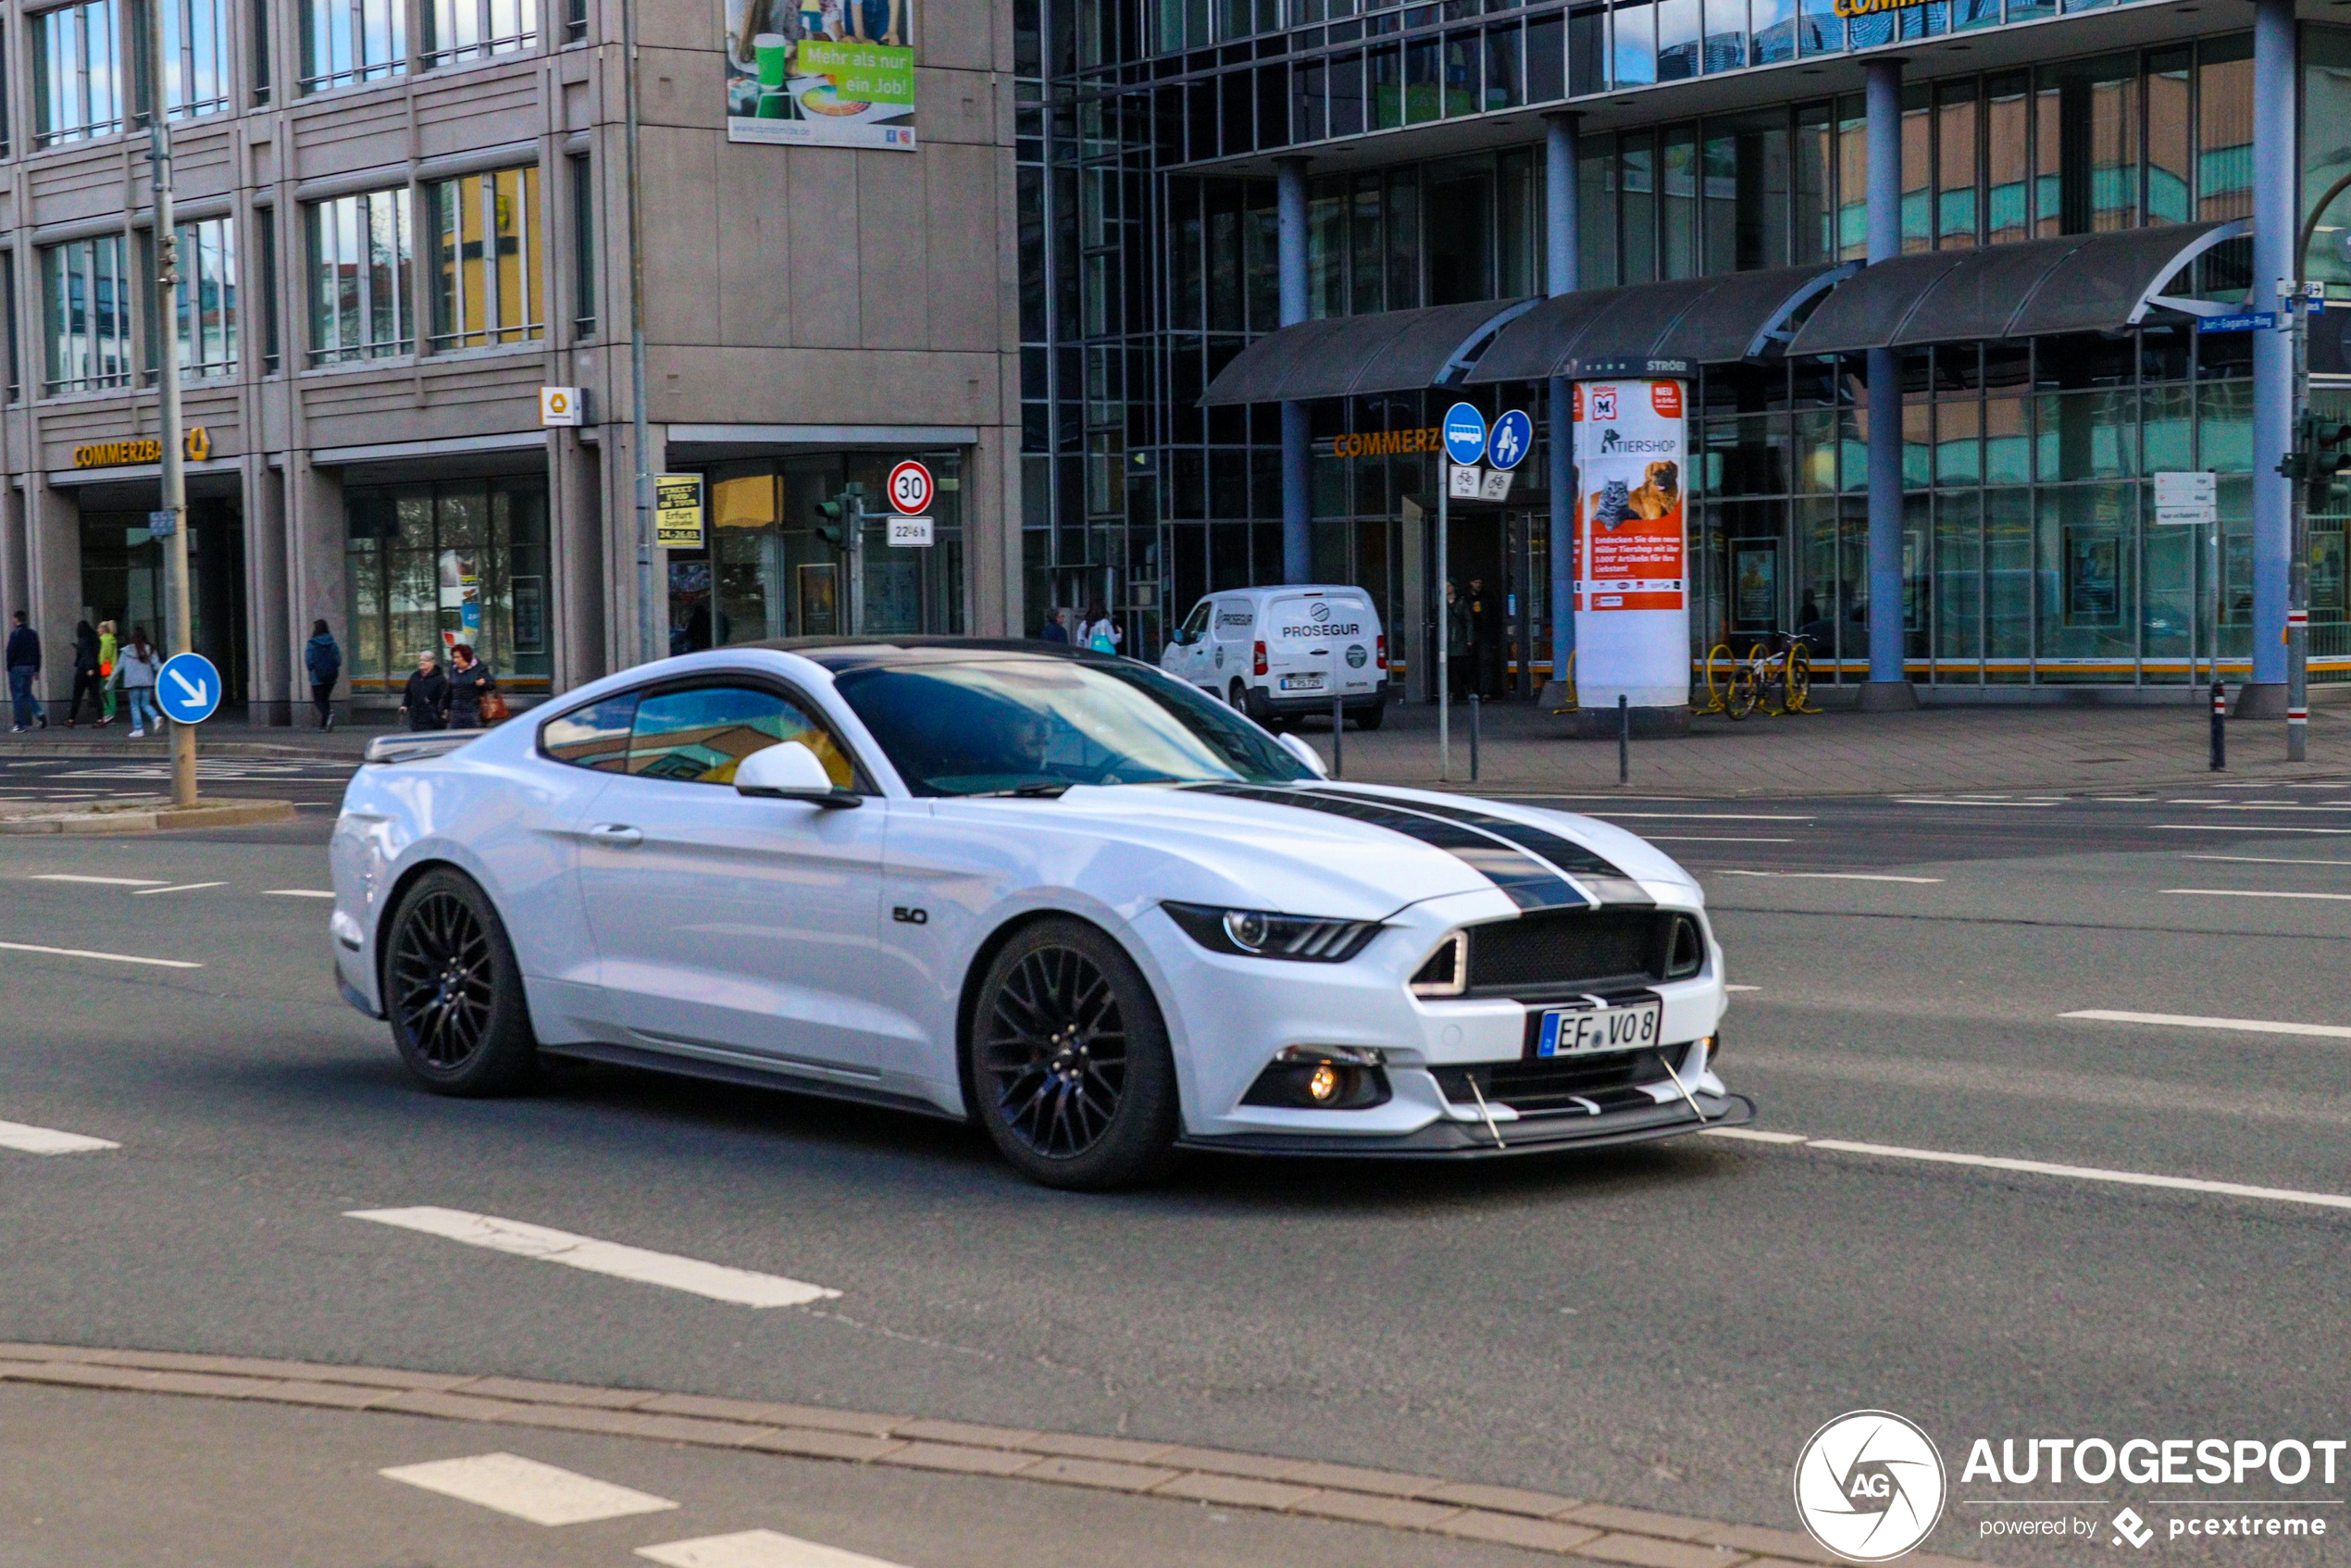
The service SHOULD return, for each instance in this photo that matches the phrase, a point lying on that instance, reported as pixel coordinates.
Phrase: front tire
(1071, 1072)
(453, 989)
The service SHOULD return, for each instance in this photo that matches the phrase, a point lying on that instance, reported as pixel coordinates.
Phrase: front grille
(1534, 1088)
(1570, 951)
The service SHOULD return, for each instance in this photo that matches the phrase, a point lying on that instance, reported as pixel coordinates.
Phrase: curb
(138, 816)
(1567, 1528)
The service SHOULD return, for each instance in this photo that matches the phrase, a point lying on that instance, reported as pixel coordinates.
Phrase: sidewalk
(1525, 749)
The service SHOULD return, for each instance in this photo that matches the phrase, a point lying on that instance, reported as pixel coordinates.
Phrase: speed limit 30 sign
(910, 487)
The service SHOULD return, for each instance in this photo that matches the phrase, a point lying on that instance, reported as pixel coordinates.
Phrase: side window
(697, 736)
(1199, 621)
(594, 737)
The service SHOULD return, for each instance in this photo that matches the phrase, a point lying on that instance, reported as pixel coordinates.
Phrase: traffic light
(2321, 452)
(833, 522)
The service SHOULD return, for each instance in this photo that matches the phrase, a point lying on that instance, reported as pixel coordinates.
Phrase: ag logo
(1869, 1485)
(1219, 658)
(1356, 657)
(1322, 610)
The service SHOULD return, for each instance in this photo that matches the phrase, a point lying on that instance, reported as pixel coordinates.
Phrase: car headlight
(1258, 933)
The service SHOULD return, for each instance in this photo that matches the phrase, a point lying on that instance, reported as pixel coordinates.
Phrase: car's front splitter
(1528, 1135)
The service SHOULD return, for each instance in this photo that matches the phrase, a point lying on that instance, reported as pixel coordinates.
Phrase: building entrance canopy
(1655, 329)
(1345, 356)
(2075, 283)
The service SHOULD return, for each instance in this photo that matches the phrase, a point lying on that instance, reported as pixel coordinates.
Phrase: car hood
(1357, 851)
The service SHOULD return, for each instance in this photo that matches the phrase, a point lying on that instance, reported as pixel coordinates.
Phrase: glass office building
(1456, 162)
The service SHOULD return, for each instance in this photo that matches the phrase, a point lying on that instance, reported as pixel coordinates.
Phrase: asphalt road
(1661, 1327)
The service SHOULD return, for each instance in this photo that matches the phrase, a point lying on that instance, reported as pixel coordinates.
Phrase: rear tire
(453, 991)
(1372, 718)
(1069, 1063)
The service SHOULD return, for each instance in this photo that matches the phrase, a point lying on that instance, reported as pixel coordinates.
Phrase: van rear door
(1321, 642)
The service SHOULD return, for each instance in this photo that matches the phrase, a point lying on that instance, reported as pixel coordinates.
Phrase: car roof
(838, 653)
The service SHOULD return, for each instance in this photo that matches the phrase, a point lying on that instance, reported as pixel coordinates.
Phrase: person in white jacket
(136, 666)
(1096, 630)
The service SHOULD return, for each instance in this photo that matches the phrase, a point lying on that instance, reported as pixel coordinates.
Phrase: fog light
(1312, 1078)
(1323, 1083)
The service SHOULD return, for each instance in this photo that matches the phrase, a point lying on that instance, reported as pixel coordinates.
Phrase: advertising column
(1632, 600)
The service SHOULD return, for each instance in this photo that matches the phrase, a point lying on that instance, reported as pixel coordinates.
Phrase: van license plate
(1302, 683)
(1582, 1030)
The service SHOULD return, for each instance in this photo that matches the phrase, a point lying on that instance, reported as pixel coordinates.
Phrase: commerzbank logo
(1869, 1485)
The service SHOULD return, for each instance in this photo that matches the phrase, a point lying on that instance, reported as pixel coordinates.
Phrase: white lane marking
(47, 1140)
(1742, 988)
(2276, 805)
(1695, 815)
(107, 957)
(181, 887)
(1826, 876)
(1938, 800)
(715, 1280)
(298, 893)
(527, 1489)
(756, 1549)
(1710, 838)
(2194, 1021)
(2266, 859)
(2240, 828)
(101, 881)
(2254, 893)
(2044, 1167)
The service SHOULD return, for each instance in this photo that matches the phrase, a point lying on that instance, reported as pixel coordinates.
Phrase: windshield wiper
(1043, 790)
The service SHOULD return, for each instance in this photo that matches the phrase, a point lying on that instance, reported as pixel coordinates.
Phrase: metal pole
(2220, 724)
(2276, 180)
(1477, 705)
(1444, 627)
(1623, 740)
(168, 436)
(640, 435)
(1339, 730)
(1562, 269)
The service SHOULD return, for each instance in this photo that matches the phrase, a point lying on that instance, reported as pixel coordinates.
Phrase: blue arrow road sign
(1464, 433)
(188, 688)
(1513, 433)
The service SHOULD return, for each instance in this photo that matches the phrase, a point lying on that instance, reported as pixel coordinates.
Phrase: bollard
(1623, 740)
(2219, 725)
(1476, 705)
(1338, 735)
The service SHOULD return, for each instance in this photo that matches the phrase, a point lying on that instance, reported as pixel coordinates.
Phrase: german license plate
(1576, 1031)
(1302, 683)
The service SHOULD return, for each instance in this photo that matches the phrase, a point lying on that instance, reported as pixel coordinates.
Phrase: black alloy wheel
(453, 991)
(1070, 1064)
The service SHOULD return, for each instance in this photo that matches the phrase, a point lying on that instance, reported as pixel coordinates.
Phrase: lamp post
(640, 435)
(174, 507)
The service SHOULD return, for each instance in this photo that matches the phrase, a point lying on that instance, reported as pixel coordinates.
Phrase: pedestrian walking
(474, 702)
(109, 651)
(1097, 631)
(1053, 630)
(324, 661)
(85, 674)
(136, 672)
(24, 669)
(424, 702)
(1485, 635)
(1457, 642)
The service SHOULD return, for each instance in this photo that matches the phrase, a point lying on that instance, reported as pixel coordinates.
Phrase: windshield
(989, 724)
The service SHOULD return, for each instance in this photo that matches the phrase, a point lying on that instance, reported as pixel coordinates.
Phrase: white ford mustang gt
(1059, 892)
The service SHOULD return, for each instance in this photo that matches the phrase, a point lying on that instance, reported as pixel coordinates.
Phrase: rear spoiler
(394, 749)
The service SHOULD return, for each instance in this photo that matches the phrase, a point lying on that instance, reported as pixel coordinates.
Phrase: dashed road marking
(2254, 893)
(298, 893)
(1946, 800)
(543, 1494)
(1710, 838)
(181, 887)
(2196, 1021)
(2242, 828)
(26, 1139)
(756, 1549)
(1728, 988)
(103, 957)
(1695, 816)
(720, 1283)
(2041, 1167)
(101, 881)
(1826, 876)
(2266, 859)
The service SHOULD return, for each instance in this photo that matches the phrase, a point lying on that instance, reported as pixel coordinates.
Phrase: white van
(1276, 653)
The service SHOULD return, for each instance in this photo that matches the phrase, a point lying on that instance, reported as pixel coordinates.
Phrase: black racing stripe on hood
(1577, 859)
(1528, 883)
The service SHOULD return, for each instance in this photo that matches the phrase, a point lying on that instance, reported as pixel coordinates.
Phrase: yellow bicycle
(1738, 686)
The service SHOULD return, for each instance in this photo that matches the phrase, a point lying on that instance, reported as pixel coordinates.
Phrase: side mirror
(1303, 752)
(791, 771)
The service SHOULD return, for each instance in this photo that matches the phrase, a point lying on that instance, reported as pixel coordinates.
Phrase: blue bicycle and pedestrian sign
(1464, 433)
(1506, 447)
(188, 688)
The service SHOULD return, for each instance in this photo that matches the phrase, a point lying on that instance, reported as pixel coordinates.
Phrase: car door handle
(619, 835)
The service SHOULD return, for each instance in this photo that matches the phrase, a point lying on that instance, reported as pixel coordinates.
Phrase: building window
(359, 278)
(195, 58)
(260, 52)
(487, 283)
(475, 30)
(432, 565)
(208, 298)
(85, 300)
(77, 72)
(9, 303)
(265, 225)
(583, 247)
(349, 40)
(575, 21)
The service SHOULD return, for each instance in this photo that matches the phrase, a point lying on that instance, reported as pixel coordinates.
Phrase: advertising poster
(1631, 607)
(821, 73)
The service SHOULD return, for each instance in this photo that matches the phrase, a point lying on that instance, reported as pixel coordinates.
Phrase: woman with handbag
(474, 702)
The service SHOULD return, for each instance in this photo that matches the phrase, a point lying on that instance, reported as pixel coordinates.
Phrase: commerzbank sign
(196, 444)
(1850, 8)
